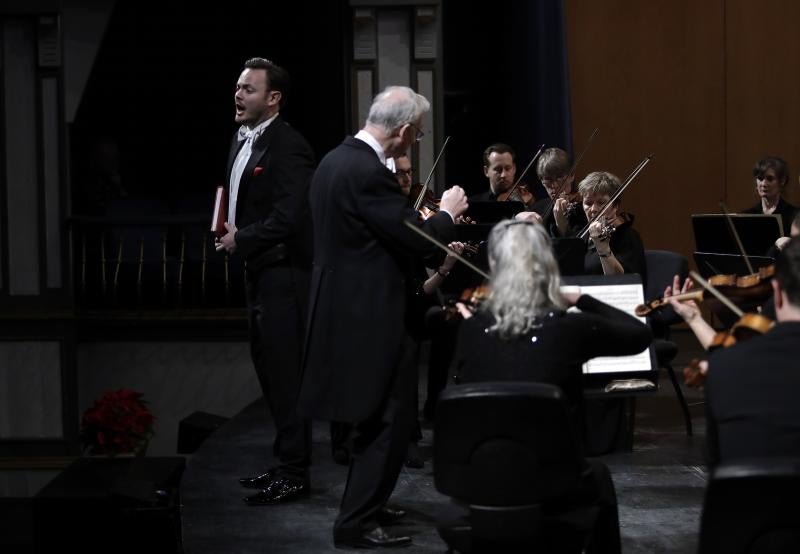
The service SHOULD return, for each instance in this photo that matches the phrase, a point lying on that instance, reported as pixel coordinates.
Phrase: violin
(610, 226)
(573, 198)
(747, 327)
(754, 287)
(518, 193)
(472, 298)
(429, 205)
(614, 197)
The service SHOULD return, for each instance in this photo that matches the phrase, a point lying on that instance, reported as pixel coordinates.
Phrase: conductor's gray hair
(395, 107)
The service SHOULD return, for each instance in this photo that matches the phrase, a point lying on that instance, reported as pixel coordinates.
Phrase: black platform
(659, 486)
(126, 505)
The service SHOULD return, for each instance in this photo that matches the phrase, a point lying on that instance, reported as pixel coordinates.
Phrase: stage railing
(153, 262)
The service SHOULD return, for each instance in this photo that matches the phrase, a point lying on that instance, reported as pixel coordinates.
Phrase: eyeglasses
(404, 172)
(550, 183)
(420, 133)
(767, 178)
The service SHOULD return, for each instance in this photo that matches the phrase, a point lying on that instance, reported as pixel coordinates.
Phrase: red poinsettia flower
(118, 422)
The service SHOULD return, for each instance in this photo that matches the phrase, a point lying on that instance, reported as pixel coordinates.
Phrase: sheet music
(625, 298)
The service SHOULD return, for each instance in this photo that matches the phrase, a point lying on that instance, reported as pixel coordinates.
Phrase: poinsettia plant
(119, 422)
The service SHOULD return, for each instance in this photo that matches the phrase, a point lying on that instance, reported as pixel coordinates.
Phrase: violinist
(771, 174)
(689, 311)
(425, 317)
(615, 246)
(561, 209)
(404, 174)
(751, 389)
(500, 168)
(523, 332)
(422, 299)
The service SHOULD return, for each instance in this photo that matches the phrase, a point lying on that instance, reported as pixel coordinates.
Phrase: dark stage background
(156, 118)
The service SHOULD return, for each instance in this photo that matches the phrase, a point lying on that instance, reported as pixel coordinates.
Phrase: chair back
(752, 507)
(662, 266)
(505, 449)
(504, 443)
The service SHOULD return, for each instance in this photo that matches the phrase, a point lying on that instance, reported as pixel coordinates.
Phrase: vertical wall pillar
(37, 338)
(398, 43)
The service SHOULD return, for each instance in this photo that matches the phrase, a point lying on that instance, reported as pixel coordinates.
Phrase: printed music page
(625, 298)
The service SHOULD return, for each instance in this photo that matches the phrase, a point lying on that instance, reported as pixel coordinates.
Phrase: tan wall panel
(650, 76)
(763, 76)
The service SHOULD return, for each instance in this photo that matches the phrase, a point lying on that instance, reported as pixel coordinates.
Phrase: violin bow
(418, 201)
(617, 194)
(571, 173)
(447, 249)
(721, 297)
(527, 167)
(735, 234)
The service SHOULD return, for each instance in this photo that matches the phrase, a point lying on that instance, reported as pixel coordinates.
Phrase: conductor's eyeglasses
(419, 133)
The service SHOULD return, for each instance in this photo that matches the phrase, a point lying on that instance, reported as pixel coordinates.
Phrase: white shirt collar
(245, 132)
(364, 136)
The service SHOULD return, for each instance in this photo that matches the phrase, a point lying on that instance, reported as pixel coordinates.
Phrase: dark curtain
(157, 116)
(506, 80)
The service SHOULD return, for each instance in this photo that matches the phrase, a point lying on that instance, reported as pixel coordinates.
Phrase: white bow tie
(247, 134)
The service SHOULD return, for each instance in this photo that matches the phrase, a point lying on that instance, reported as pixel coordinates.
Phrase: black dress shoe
(377, 538)
(259, 481)
(281, 489)
(387, 515)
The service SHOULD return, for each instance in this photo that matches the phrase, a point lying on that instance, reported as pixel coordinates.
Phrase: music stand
(492, 212)
(758, 233)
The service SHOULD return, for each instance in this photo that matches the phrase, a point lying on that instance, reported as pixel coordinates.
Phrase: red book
(220, 216)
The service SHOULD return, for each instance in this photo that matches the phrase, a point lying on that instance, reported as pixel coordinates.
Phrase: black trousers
(443, 334)
(606, 539)
(568, 525)
(379, 446)
(277, 298)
